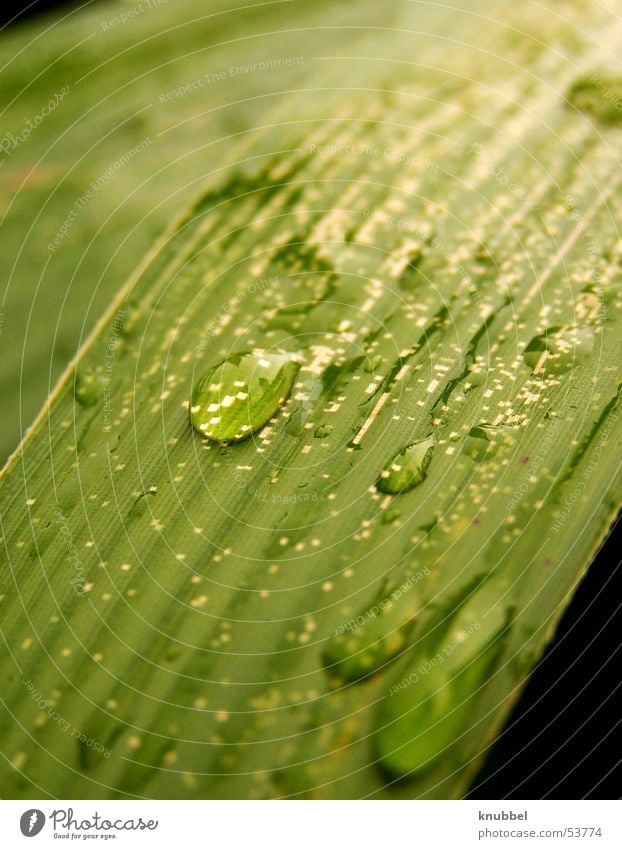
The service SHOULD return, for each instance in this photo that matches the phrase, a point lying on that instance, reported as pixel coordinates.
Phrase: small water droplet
(372, 363)
(337, 375)
(408, 468)
(299, 294)
(323, 431)
(483, 255)
(354, 446)
(236, 397)
(128, 318)
(589, 305)
(484, 440)
(428, 527)
(390, 516)
(559, 349)
(409, 278)
(141, 504)
(86, 389)
(600, 95)
(374, 636)
(431, 700)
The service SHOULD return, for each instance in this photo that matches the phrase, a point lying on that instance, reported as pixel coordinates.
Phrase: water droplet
(428, 527)
(484, 440)
(237, 396)
(132, 314)
(599, 95)
(408, 468)
(299, 294)
(374, 636)
(411, 275)
(372, 363)
(141, 504)
(323, 431)
(590, 305)
(483, 255)
(390, 516)
(431, 700)
(86, 389)
(299, 281)
(559, 349)
(337, 375)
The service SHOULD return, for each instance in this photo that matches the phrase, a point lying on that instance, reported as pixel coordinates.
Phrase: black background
(12, 13)
(564, 738)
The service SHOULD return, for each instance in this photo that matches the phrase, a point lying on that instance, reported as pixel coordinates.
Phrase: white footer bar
(302, 824)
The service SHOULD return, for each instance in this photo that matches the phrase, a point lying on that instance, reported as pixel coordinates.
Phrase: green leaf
(188, 619)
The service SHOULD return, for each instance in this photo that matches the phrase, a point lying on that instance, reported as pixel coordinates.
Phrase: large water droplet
(432, 698)
(408, 468)
(484, 440)
(559, 349)
(236, 397)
